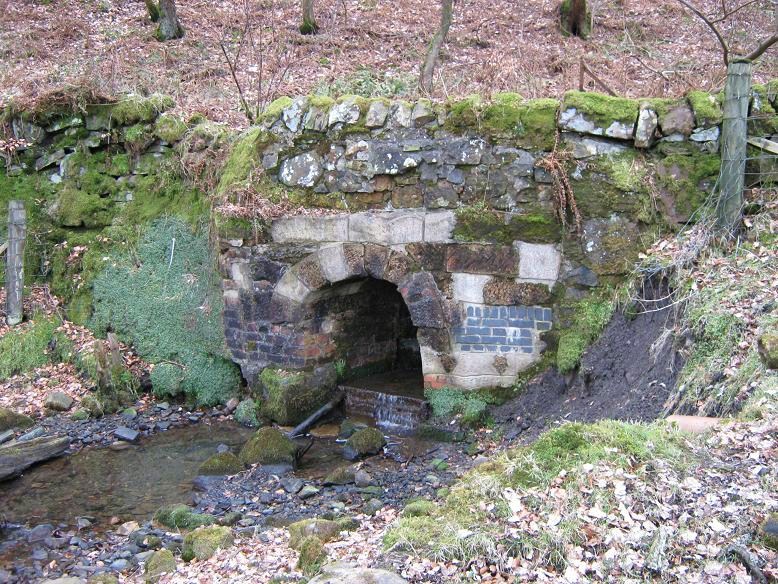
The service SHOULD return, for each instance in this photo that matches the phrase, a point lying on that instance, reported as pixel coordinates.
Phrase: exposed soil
(628, 374)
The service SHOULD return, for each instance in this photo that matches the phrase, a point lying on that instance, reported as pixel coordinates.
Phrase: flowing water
(395, 400)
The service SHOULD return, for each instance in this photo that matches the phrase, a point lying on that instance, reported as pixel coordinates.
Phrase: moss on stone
(602, 109)
(272, 112)
(222, 463)
(244, 158)
(764, 119)
(92, 405)
(169, 128)
(182, 517)
(478, 222)
(247, 414)
(538, 123)
(268, 446)
(464, 114)
(160, 562)
(324, 102)
(768, 531)
(290, 396)
(325, 529)
(682, 175)
(312, 555)
(364, 442)
(534, 228)
(80, 415)
(203, 542)
(10, 419)
(706, 108)
(590, 317)
(134, 108)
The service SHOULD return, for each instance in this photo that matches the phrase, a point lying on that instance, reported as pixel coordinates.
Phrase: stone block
(678, 120)
(310, 273)
(302, 170)
(346, 111)
(291, 287)
(429, 256)
(397, 267)
(376, 114)
(506, 291)
(334, 266)
(387, 227)
(646, 127)
(538, 262)
(423, 299)
(375, 259)
(469, 287)
(475, 258)
(439, 226)
(292, 396)
(303, 228)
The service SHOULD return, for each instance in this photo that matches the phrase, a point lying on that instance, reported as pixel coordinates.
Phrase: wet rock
(362, 478)
(58, 401)
(307, 492)
(340, 476)
(161, 562)
(126, 434)
(119, 565)
(347, 574)
(203, 542)
(268, 446)
(223, 463)
(127, 528)
(292, 485)
(247, 414)
(6, 436)
(365, 442)
(15, 457)
(348, 427)
(372, 507)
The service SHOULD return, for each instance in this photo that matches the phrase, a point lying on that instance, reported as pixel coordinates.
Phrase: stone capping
(381, 227)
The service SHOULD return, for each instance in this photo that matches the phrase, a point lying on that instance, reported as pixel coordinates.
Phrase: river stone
(161, 562)
(221, 463)
(324, 529)
(340, 476)
(203, 542)
(126, 434)
(292, 485)
(340, 573)
(9, 419)
(268, 446)
(58, 401)
(372, 507)
(307, 492)
(365, 442)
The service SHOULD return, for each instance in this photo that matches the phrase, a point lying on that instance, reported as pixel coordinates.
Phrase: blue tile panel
(501, 329)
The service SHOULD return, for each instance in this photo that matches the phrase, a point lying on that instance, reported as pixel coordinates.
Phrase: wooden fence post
(14, 267)
(734, 133)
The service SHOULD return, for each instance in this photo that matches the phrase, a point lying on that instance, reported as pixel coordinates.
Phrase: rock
(161, 562)
(291, 396)
(346, 111)
(126, 434)
(15, 457)
(31, 435)
(182, 517)
(292, 485)
(372, 507)
(39, 532)
(768, 349)
(80, 415)
(347, 574)
(432, 480)
(268, 446)
(362, 478)
(223, 463)
(119, 565)
(9, 420)
(678, 120)
(58, 401)
(376, 113)
(340, 476)
(365, 442)
(64, 580)
(646, 127)
(307, 492)
(203, 542)
(247, 414)
(348, 427)
(127, 528)
(231, 404)
(705, 135)
(324, 529)
(6, 436)
(129, 413)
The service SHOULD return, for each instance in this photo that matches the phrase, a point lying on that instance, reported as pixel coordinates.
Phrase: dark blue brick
(468, 339)
(544, 326)
(503, 312)
(538, 313)
(513, 312)
(520, 323)
(473, 322)
(547, 315)
(478, 331)
(478, 347)
(506, 349)
(496, 322)
(526, 349)
(491, 348)
(522, 312)
(477, 310)
(520, 342)
(494, 340)
(465, 347)
(499, 331)
(526, 333)
(470, 311)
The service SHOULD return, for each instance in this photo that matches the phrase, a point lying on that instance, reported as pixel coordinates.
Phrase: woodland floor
(639, 47)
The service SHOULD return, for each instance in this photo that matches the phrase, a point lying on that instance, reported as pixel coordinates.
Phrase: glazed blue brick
(526, 349)
(503, 312)
(506, 349)
(465, 347)
(478, 347)
(473, 322)
(477, 310)
(520, 323)
(513, 312)
(468, 339)
(470, 311)
(478, 331)
(491, 348)
(494, 312)
(520, 342)
(522, 312)
(499, 331)
(538, 313)
(544, 326)
(495, 322)
(547, 314)
(494, 340)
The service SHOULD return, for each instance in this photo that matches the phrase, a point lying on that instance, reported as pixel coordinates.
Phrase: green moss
(312, 555)
(222, 463)
(78, 208)
(464, 114)
(161, 562)
(134, 108)
(169, 128)
(10, 419)
(534, 228)
(448, 402)
(590, 318)
(80, 415)
(203, 543)
(244, 158)
(324, 529)
(706, 108)
(33, 345)
(182, 517)
(478, 222)
(764, 119)
(682, 175)
(290, 396)
(419, 509)
(366, 441)
(602, 109)
(247, 414)
(273, 111)
(324, 102)
(268, 446)
(92, 405)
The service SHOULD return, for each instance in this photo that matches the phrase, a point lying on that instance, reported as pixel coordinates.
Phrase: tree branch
(728, 14)
(706, 20)
(757, 52)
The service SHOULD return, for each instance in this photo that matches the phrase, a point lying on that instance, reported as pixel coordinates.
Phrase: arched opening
(372, 337)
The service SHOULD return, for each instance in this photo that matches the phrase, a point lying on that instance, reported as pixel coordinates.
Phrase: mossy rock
(103, 579)
(324, 529)
(10, 419)
(768, 531)
(93, 405)
(342, 475)
(268, 446)
(160, 562)
(768, 348)
(244, 158)
(80, 415)
(247, 414)
(362, 443)
(203, 542)
(182, 517)
(272, 112)
(419, 509)
(312, 555)
(706, 107)
(291, 396)
(169, 128)
(222, 463)
(602, 109)
(684, 177)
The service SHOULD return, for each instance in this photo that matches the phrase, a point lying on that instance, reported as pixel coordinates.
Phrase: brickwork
(502, 329)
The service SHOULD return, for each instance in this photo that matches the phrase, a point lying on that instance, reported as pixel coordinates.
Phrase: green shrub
(166, 302)
(33, 345)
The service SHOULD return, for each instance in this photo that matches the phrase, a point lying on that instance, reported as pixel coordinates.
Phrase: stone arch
(320, 272)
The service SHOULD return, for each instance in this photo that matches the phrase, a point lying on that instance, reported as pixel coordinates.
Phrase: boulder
(268, 446)
(365, 442)
(292, 396)
(324, 529)
(10, 419)
(182, 517)
(161, 562)
(247, 414)
(203, 542)
(340, 476)
(58, 401)
(15, 457)
(222, 463)
(768, 349)
(340, 573)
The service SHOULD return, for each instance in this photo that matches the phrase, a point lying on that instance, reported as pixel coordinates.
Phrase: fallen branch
(303, 426)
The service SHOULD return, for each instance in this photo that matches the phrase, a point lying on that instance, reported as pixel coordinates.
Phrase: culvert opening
(377, 351)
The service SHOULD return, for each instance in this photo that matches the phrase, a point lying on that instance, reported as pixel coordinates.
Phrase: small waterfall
(392, 413)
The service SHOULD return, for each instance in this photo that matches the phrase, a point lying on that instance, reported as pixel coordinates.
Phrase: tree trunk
(575, 18)
(734, 134)
(309, 25)
(428, 70)
(153, 9)
(169, 27)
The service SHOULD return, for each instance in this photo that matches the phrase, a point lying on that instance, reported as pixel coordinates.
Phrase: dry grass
(640, 47)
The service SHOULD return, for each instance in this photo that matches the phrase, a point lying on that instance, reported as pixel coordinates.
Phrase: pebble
(120, 565)
(292, 485)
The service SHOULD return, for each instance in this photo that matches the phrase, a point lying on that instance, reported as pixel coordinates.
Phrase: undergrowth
(166, 302)
(32, 346)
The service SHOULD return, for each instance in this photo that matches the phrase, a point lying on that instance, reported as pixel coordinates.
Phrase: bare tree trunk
(309, 25)
(153, 9)
(169, 27)
(575, 18)
(428, 70)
